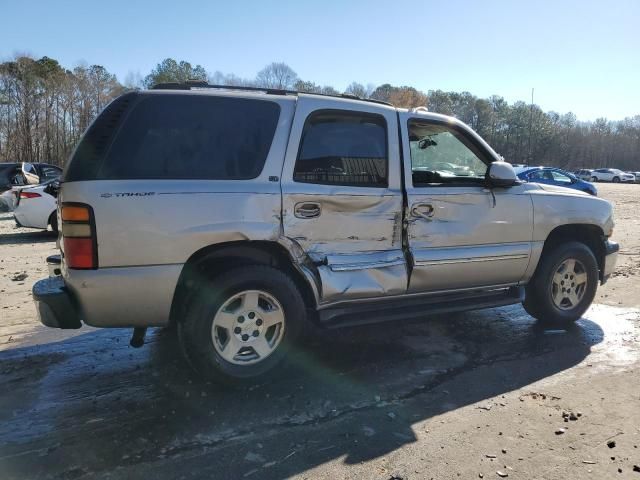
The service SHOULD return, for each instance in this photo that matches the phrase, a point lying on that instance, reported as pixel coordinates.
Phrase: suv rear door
(342, 197)
(459, 234)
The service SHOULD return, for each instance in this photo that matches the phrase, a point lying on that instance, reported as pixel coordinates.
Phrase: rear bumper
(55, 304)
(610, 258)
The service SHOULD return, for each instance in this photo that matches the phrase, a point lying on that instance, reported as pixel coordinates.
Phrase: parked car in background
(248, 219)
(611, 175)
(10, 175)
(583, 174)
(635, 174)
(555, 176)
(36, 206)
(16, 175)
(459, 170)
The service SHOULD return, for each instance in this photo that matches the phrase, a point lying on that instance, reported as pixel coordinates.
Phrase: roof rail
(419, 109)
(189, 84)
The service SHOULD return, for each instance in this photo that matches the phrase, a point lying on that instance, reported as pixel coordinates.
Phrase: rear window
(189, 137)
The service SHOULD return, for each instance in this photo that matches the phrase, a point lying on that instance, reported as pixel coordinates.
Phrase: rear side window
(343, 148)
(191, 137)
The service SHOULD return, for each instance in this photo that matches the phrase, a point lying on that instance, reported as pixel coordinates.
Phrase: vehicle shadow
(36, 236)
(100, 404)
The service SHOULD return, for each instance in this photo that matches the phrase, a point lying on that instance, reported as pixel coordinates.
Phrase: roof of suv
(189, 85)
(197, 87)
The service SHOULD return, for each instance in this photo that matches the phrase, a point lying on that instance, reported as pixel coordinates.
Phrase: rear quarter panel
(160, 222)
(147, 229)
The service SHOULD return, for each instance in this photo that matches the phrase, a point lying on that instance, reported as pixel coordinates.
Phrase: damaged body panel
(455, 247)
(347, 219)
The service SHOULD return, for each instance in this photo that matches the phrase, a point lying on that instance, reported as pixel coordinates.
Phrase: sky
(578, 55)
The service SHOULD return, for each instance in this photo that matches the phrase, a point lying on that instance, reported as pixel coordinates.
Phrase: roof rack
(189, 84)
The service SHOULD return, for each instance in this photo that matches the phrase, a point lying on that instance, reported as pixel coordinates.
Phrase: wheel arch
(590, 235)
(215, 259)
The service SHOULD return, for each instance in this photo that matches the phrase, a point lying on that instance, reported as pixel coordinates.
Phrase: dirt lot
(453, 397)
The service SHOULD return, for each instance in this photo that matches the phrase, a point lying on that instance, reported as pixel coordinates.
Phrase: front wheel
(616, 179)
(563, 285)
(241, 324)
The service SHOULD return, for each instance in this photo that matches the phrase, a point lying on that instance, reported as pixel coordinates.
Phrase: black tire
(195, 330)
(539, 292)
(594, 179)
(53, 221)
(616, 179)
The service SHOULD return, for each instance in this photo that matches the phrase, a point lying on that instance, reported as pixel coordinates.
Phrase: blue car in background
(555, 176)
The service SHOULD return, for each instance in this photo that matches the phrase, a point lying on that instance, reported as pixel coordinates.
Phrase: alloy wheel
(248, 327)
(569, 284)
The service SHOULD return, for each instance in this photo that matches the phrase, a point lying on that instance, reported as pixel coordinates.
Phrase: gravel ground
(475, 395)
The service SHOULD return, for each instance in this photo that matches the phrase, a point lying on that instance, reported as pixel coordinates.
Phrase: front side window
(343, 148)
(441, 155)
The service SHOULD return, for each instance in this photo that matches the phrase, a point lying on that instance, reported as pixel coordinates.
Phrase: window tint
(192, 137)
(443, 155)
(343, 148)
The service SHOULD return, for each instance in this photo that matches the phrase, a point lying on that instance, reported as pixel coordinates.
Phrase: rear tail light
(24, 194)
(79, 236)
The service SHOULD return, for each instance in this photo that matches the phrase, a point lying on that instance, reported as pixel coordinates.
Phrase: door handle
(307, 210)
(423, 210)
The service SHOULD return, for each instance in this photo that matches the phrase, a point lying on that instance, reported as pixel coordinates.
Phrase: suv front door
(460, 234)
(342, 196)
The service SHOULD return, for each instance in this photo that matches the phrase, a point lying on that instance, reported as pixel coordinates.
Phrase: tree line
(44, 108)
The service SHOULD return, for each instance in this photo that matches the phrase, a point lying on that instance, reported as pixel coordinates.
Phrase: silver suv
(247, 218)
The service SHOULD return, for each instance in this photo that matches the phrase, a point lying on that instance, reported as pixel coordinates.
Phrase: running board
(411, 308)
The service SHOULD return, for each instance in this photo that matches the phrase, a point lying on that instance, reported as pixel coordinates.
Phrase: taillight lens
(24, 194)
(79, 236)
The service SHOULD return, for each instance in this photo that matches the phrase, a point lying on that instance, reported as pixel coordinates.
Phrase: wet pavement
(86, 405)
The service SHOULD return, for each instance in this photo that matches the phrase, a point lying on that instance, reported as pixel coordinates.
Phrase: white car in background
(635, 174)
(611, 175)
(584, 174)
(36, 206)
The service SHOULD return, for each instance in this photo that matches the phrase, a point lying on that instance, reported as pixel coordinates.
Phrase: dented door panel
(338, 285)
(347, 223)
(465, 235)
(467, 240)
(353, 234)
(362, 275)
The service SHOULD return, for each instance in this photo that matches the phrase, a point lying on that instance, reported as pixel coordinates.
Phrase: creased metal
(365, 283)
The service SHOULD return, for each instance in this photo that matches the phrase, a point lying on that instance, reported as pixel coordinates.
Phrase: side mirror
(501, 174)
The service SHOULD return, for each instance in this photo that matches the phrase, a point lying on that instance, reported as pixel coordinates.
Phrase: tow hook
(137, 339)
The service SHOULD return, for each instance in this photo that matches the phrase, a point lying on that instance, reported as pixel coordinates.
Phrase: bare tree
(357, 89)
(277, 75)
(44, 109)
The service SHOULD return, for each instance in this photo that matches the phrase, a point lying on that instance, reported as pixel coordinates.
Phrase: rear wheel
(241, 324)
(594, 179)
(53, 221)
(563, 286)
